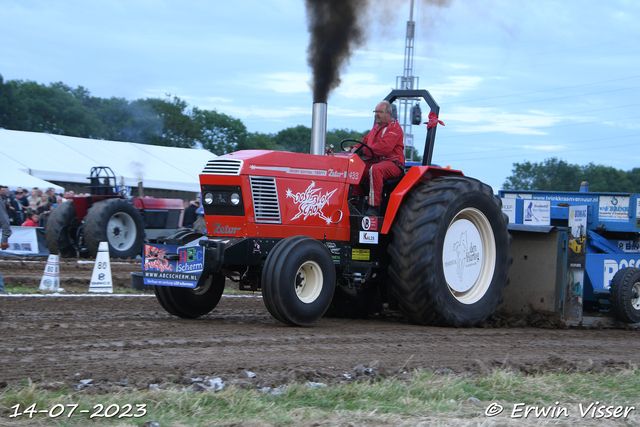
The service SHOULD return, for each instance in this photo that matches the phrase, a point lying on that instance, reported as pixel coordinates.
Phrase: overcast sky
(516, 80)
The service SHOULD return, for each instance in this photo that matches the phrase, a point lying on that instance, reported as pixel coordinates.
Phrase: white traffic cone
(101, 277)
(50, 281)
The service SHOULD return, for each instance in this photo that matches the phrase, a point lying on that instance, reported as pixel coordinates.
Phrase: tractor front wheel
(298, 281)
(115, 221)
(61, 230)
(450, 253)
(191, 303)
(625, 295)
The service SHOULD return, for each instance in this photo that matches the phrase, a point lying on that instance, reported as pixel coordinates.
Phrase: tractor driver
(387, 159)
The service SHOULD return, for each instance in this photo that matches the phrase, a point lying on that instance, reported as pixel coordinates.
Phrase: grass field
(415, 398)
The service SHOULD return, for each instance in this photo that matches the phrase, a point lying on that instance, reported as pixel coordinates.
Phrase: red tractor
(287, 224)
(76, 227)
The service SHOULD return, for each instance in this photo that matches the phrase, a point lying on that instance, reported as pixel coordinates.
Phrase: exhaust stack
(319, 128)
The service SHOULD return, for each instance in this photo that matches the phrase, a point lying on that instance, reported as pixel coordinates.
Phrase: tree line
(554, 174)
(59, 109)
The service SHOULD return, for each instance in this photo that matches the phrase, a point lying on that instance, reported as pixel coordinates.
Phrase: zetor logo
(220, 229)
(191, 259)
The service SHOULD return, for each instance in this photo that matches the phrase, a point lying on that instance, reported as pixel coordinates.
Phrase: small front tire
(191, 303)
(298, 281)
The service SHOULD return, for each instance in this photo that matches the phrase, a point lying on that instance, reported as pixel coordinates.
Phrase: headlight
(208, 198)
(235, 199)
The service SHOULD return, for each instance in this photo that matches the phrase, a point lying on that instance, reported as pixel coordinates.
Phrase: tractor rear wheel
(115, 221)
(625, 295)
(298, 281)
(450, 253)
(61, 230)
(192, 303)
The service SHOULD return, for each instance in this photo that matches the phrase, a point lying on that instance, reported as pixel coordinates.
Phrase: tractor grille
(264, 194)
(223, 167)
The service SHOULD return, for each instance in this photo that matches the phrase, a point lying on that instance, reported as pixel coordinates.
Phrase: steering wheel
(360, 150)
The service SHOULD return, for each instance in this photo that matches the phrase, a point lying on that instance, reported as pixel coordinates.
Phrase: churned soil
(128, 341)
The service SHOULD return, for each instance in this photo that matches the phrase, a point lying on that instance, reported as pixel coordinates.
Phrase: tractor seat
(389, 185)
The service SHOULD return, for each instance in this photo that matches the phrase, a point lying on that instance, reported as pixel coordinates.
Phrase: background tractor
(77, 226)
(286, 224)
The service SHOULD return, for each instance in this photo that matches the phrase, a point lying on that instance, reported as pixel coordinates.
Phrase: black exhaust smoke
(335, 33)
(337, 28)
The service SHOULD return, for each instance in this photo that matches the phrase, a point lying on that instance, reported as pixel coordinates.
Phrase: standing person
(190, 214)
(387, 162)
(34, 199)
(5, 198)
(21, 207)
(6, 232)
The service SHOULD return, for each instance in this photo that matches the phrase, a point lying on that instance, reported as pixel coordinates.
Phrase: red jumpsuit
(387, 144)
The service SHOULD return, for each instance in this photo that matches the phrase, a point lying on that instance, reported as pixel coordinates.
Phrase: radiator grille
(264, 194)
(223, 167)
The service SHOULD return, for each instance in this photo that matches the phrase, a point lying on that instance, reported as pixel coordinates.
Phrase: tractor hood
(342, 167)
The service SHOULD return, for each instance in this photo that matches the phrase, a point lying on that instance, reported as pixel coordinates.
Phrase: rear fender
(415, 175)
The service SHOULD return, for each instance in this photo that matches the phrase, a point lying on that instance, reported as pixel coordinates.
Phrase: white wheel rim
(202, 289)
(635, 299)
(121, 231)
(308, 282)
(469, 255)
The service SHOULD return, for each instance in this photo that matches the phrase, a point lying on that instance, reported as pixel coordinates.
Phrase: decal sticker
(225, 229)
(311, 202)
(293, 171)
(462, 255)
(256, 246)
(369, 237)
(611, 267)
(191, 259)
(537, 212)
(361, 254)
(184, 270)
(300, 171)
(333, 248)
(370, 223)
(154, 259)
(613, 208)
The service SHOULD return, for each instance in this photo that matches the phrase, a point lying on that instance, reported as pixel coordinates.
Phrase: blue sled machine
(576, 255)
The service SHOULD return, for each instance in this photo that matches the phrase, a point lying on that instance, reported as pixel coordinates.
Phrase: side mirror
(416, 115)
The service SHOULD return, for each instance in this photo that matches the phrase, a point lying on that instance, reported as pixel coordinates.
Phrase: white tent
(62, 158)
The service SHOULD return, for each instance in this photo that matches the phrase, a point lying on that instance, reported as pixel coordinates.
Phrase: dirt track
(130, 341)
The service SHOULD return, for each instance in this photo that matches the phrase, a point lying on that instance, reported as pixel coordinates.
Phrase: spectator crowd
(30, 208)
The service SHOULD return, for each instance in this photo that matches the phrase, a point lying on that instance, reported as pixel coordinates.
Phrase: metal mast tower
(407, 81)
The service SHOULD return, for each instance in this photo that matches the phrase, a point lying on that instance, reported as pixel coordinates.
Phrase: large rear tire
(61, 230)
(298, 281)
(115, 221)
(450, 253)
(192, 303)
(625, 295)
